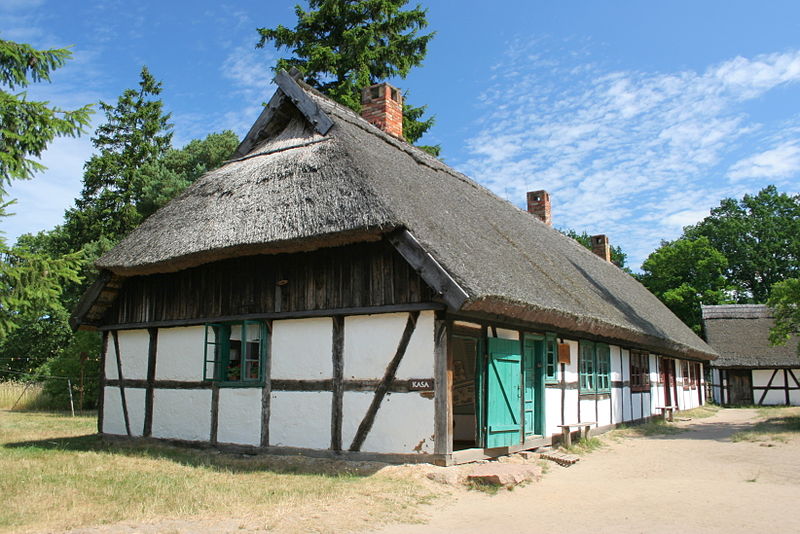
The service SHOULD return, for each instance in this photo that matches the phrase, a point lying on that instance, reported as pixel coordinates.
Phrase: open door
(503, 393)
(533, 373)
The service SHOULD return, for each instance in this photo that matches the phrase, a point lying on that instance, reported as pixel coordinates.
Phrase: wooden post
(151, 380)
(337, 400)
(266, 392)
(786, 385)
(443, 415)
(101, 386)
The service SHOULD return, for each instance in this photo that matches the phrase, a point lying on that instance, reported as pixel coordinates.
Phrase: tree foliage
(684, 274)
(784, 299)
(136, 133)
(30, 282)
(759, 236)
(26, 126)
(342, 46)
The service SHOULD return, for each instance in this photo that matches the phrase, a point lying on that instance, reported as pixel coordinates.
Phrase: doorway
(740, 386)
(668, 379)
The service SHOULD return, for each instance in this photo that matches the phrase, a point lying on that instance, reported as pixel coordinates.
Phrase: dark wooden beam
(151, 379)
(101, 393)
(428, 268)
(253, 136)
(364, 310)
(214, 413)
(337, 360)
(786, 385)
(307, 106)
(766, 389)
(383, 387)
(88, 299)
(121, 377)
(266, 393)
(443, 426)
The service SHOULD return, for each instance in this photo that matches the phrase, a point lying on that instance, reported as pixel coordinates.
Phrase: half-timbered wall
(355, 276)
(302, 408)
(770, 387)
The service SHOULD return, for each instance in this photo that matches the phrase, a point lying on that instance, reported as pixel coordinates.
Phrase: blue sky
(638, 117)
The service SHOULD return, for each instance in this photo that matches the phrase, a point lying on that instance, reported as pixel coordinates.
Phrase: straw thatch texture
(300, 191)
(740, 334)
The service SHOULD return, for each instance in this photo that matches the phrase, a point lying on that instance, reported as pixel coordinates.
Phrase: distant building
(749, 370)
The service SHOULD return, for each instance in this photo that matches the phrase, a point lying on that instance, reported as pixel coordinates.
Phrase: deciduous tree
(784, 299)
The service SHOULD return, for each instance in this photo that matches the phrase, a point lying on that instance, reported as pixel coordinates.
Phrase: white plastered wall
(403, 424)
(571, 377)
(370, 342)
(180, 353)
(300, 419)
(133, 348)
(301, 348)
(239, 416)
(113, 416)
(616, 377)
(761, 378)
(182, 414)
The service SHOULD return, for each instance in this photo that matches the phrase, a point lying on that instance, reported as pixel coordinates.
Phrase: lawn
(57, 474)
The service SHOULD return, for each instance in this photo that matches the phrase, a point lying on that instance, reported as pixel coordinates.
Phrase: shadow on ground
(204, 457)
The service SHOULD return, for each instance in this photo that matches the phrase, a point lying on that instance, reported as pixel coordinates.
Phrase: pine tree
(30, 282)
(342, 46)
(27, 127)
(136, 132)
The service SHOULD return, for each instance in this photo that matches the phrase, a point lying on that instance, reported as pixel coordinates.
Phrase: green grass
(701, 412)
(586, 445)
(57, 474)
(781, 424)
(653, 427)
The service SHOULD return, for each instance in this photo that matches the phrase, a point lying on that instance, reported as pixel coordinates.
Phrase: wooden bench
(566, 436)
(666, 412)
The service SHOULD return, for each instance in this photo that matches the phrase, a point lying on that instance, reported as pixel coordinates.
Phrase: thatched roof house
(749, 369)
(740, 335)
(293, 188)
(330, 269)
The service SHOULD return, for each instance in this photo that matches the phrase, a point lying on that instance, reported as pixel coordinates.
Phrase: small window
(551, 358)
(640, 371)
(594, 367)
(235, 352)
(685, 374)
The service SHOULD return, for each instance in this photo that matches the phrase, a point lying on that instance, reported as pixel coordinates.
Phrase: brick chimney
(601, 247)
(539, 205)
(382, 105)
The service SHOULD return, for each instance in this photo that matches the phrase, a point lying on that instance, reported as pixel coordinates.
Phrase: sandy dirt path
(695, 481)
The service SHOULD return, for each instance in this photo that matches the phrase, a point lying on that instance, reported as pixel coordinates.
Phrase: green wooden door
(503, 395)
(532, 369)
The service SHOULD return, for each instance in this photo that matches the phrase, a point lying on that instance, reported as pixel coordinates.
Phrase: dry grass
(56, 475)
(20, 396)
(586, 445)
(781, 424)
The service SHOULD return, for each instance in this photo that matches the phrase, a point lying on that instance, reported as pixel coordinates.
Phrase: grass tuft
(586, 445)
(781, 424)
(653, 427)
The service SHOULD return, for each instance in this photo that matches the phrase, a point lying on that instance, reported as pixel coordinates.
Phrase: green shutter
(503, 395)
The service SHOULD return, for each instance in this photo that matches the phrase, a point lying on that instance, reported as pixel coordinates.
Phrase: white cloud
(635, 155)
(780, 162)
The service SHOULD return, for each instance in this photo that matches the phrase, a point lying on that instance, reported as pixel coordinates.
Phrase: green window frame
(550, 358)
(594, 367)
(235, 353)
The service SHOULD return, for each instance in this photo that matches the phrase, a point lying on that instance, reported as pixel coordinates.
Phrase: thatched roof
(301, 187)
(740, 334)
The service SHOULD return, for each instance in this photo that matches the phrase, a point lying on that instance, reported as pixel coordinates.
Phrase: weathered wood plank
(429, 269)
(337, 356)
(214, 413)
(322, 123)
(442, 437)
(151, 379)
(266, 394)
(383, 387)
